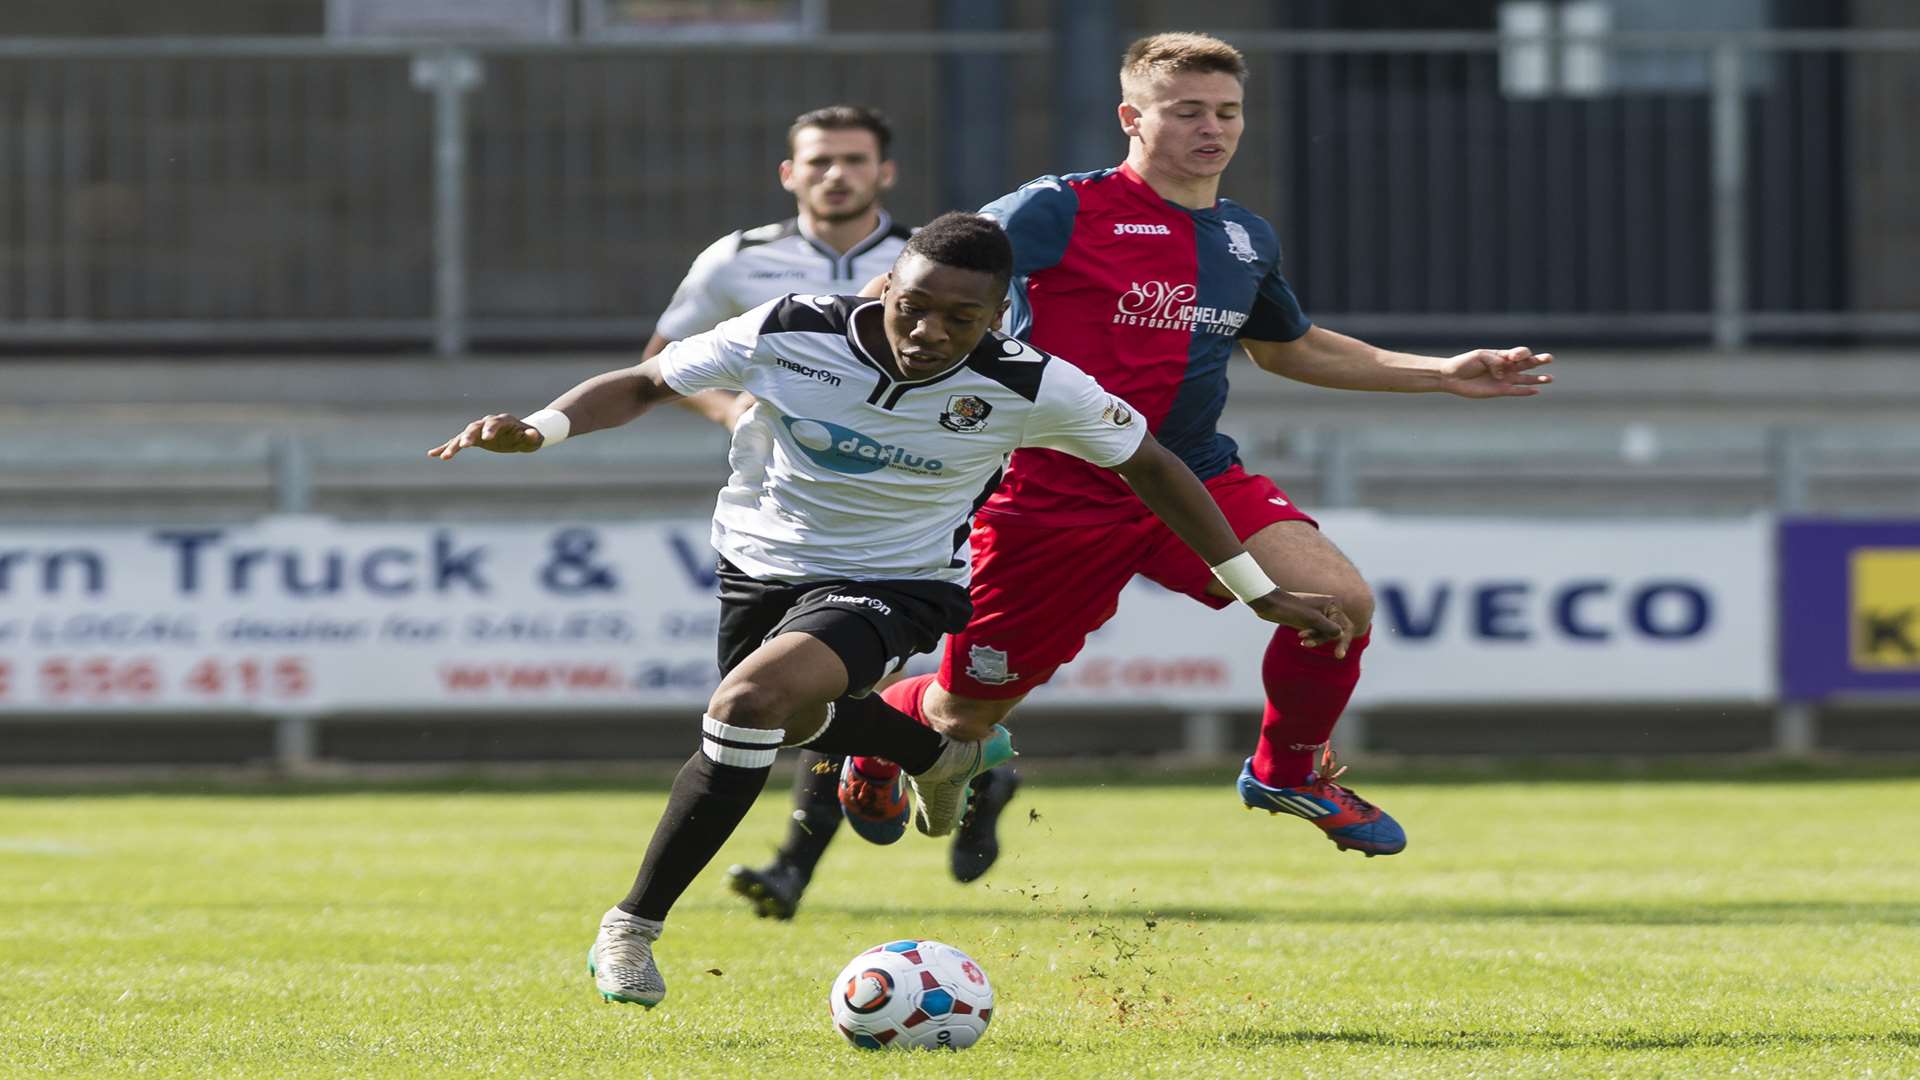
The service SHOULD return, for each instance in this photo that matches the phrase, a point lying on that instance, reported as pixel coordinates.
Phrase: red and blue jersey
(1149, 298)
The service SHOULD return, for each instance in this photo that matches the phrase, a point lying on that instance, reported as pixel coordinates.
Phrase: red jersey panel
(1149, 298)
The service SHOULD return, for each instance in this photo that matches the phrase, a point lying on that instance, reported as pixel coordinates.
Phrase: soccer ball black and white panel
(907, 995)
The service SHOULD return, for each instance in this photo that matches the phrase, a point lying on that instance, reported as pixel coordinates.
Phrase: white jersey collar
(843, 264)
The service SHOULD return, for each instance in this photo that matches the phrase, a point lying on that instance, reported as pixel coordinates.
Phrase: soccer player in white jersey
(879, 427)
(838, 169)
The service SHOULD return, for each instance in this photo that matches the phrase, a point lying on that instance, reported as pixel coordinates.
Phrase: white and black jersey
(745, 269)
(842, 471)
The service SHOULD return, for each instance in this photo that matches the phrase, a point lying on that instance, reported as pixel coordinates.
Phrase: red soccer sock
(906, 696)
(1307, 689)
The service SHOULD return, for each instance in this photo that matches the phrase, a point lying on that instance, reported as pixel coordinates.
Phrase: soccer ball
(911, 994)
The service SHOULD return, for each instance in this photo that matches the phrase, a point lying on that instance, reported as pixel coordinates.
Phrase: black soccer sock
(871, 727)
(816, 812)
(714, 790)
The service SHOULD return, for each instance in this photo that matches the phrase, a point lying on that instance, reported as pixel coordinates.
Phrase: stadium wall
(313, 638)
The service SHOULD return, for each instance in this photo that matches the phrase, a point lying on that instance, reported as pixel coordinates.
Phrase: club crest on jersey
(965, 413)
(1239, 244)
(988, 665)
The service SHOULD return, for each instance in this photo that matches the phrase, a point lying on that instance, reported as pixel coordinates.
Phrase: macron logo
(1141, 230)
(858, 601)
(814, 373)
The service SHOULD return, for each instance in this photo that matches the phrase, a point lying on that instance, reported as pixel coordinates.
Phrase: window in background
(1576, 65)
(543, 20)
(1398, 15)
(1533, 65)
(702, 18)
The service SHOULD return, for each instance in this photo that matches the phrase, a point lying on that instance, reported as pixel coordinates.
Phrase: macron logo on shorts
(858, 601)
(1123, 229)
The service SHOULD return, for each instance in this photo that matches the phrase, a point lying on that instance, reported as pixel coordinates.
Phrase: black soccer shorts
(873, 626)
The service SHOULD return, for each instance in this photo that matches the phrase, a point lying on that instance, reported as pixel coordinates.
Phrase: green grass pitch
(1587, 927)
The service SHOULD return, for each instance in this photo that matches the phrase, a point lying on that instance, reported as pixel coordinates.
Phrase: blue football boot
(1351, 822)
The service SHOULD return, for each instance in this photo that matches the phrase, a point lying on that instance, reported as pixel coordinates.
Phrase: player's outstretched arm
(1178, 497)
(604, 401)
(1322, 357)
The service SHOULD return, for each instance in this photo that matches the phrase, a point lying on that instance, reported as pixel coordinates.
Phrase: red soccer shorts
(1038, 591)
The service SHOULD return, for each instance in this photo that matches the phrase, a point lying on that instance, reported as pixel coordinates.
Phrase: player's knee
(965, 729)
(966, 719)
(750, 704)
(1357, 602)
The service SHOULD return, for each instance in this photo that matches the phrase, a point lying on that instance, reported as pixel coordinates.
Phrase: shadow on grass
(244, 783)
(1599, 1040)
(654, 777)
(1737, 913)
(1013, 908)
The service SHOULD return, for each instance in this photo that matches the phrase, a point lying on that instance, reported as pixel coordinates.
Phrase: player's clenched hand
(1318, 618)
(1491, 373)
(501, 433)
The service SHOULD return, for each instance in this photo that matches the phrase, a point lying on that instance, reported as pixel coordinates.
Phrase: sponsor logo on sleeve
(1117, 413)
(1014, 350)
(965, 413)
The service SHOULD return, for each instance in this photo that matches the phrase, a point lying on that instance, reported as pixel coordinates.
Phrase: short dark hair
(844, 118)
(966, 241)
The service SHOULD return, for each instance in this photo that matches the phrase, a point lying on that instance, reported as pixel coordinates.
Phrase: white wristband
(1244, 578)
(553, 426)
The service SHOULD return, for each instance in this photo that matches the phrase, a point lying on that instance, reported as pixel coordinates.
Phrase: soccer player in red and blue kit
(1149, 280)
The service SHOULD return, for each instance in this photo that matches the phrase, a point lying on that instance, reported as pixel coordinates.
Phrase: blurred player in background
(1144, 275)
(838, 169)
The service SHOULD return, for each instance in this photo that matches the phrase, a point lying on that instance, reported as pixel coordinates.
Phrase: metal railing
(127, 471)
(1703, 187)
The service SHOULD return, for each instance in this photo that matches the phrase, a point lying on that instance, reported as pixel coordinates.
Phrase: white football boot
(621, 960)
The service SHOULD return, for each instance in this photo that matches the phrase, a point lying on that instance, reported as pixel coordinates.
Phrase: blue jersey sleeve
(1038, 219)
(1276, 312)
